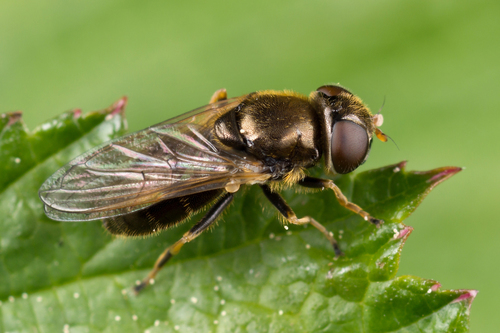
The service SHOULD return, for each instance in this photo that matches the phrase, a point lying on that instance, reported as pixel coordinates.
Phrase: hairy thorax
(279, 129)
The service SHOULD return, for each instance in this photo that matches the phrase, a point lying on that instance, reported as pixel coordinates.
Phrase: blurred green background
(437, 64)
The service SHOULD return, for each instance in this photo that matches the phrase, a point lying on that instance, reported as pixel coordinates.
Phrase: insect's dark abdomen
(159, 216)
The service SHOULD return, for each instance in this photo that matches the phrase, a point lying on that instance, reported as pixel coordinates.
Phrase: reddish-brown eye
(330, 90)
(349, 146)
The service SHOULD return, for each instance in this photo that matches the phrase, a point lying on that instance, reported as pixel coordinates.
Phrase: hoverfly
(153, 179)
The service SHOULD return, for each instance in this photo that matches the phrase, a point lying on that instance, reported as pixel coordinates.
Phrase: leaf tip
(468, 296)
(403, 233)
(435, 287)
(77, 113)
(442, 174)
(13, 117)
(117, 107)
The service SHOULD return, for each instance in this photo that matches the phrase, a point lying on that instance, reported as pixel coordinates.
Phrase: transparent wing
(172, 159)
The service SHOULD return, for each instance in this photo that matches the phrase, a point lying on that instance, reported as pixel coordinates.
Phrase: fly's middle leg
(289, 214)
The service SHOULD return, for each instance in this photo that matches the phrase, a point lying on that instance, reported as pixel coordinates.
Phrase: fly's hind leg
(326, 183)
(288, 213)
(194, 232)
(219, 95)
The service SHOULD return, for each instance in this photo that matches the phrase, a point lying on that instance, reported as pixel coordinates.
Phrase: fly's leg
(194, 232)
(326, 183)
(219, 95)
(288, 213)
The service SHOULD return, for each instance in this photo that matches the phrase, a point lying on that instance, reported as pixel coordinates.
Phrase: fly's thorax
(279, 128)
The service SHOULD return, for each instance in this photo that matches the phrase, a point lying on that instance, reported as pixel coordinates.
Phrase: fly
(153, 179)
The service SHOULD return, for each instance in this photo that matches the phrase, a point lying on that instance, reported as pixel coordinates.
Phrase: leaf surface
(249, 274)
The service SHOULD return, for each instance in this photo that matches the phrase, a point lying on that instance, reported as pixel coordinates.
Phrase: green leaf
(248, 275)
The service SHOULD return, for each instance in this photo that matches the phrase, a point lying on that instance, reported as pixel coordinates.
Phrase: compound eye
(330, 90)
(349, 146)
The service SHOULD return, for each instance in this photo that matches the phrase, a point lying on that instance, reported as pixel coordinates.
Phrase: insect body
(153, 179)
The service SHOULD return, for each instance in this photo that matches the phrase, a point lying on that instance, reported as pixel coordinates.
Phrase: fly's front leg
(194, 232)
(326, 183)
(219, 95)
(288, 213)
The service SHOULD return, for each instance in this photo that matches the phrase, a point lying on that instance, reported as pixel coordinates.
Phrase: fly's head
(347, 128)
